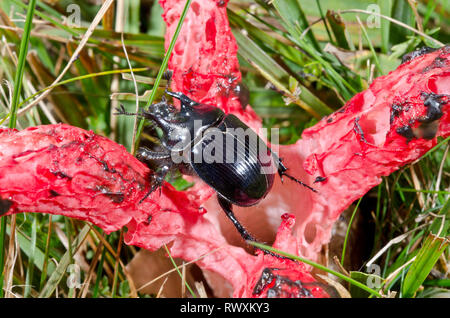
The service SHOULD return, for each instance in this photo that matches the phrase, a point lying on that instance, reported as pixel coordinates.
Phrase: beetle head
(160, 110)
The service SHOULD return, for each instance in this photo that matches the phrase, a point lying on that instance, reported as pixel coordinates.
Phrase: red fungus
(270, 276)
(378, 131)
(65, 170)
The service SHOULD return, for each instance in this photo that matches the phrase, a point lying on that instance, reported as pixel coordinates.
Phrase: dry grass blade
(439, 176)
(104, 8)
(13, 250)
(395, 240)
(201, 290)
(119, 25)
(90, 274)
(116, 264)
(60, 270)
(342, 291)
(177, 268)
(162, 287)
(417, 186)
(133, 291)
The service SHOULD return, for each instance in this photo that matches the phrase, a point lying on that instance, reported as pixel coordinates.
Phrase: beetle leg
(145, 154)
(121, 111)
(228, 209)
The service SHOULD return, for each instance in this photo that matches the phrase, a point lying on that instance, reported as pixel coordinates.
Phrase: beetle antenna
(298, 181)
(282, 172)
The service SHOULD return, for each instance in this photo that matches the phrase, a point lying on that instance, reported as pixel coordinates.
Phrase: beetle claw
(121, 111)
(152, 189)
(157, 182)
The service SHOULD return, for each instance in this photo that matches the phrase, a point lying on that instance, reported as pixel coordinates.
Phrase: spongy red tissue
(60, 169)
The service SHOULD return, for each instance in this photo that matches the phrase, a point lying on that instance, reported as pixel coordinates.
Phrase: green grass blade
(21, 63)
(265, 40)
(26, 248)
(64, 262)
(347, 234)
(132, 7)
(251, 51)
(178, 271)
(428, 255)
(385, 9)
(345, 88)
(295, 20)
(401, 11)
(155, 21)
(369, 42)
(322, 16)
(31, 258)
(437, 225)
(164, 65)
(422, 191)
(438, 282)
(80, 78)
(273, 72)
(338, 29)
(46, 253)
(96, 288)
(287, 10)
(116, 265)
(169, 52)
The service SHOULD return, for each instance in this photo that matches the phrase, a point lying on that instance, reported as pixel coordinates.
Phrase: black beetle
(197, 128)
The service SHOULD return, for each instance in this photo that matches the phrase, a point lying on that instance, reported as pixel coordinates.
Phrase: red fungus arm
(378, 131)
(66, 170)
